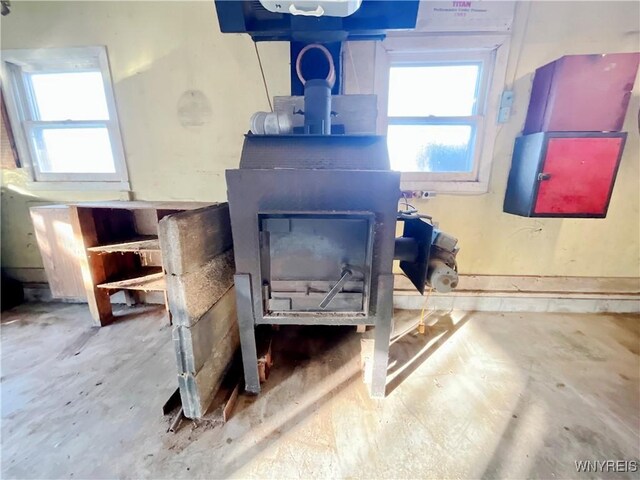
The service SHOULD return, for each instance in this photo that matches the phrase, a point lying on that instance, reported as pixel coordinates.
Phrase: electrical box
(582, 93)
(563, 174)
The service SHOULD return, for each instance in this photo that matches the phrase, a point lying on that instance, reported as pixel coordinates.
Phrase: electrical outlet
(409, 194)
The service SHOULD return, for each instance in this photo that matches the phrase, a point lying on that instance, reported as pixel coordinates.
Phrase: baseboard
(40, 292)
(494, 293)
(485, 293)
(26, 275)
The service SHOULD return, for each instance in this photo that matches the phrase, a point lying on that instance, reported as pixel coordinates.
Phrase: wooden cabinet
(568, 167)
(567, 174)
(582, 93)
(95, 249)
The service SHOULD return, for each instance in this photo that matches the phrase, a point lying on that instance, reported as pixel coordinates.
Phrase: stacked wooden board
(199, 266)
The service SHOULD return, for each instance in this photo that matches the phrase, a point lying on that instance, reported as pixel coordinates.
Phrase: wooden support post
(92, 265)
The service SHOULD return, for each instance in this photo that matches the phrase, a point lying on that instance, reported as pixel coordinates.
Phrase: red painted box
(587, 93)
(563, 174)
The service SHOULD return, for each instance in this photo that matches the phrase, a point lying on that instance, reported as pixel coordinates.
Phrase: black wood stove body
(314, 222)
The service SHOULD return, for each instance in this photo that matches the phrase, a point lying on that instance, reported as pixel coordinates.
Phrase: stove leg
(247, 333)
(382, 336)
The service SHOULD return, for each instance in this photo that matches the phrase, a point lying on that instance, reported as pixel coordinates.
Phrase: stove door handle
(346, 275)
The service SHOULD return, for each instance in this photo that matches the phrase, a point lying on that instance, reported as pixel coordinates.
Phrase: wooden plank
(59, 251)
(220, 409)
(186, 293)
(91, 264)
(146, 221)
(137, 245)
(231, 403)
(146, 279)
(204, 351)
(197, 340)
(209, 378)
(198, 259)
(139, 204)
(192, 238)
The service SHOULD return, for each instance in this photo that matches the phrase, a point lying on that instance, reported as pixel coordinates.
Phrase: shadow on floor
(124, 313)
(410, 349)
(335, 349)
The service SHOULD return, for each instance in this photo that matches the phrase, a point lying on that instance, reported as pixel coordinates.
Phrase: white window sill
(79, 186)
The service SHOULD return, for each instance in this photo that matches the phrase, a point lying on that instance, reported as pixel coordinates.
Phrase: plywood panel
(60, 251)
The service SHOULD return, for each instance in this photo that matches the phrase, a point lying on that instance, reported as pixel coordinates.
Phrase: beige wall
(160, 50)
(494, 242)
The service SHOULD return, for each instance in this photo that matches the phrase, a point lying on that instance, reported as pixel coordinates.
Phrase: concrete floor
(482, 395)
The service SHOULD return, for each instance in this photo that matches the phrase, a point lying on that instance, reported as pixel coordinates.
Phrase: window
(63, 102)
(440, 95)
(432, 116)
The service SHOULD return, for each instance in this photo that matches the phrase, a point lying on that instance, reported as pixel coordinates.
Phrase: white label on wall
(465, 16)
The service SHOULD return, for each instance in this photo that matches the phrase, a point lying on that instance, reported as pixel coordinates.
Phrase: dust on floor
(480, 395)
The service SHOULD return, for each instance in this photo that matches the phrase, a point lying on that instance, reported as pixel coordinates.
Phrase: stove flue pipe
(317, 94)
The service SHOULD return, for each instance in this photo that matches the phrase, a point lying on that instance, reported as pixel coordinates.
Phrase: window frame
(17, 65)
(425, 48)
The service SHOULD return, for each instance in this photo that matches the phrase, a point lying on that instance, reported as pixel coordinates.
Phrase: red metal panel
(588, 93)
(592, 92)
(581, 171)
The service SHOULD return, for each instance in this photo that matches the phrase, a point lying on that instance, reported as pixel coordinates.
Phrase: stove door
(316, 262)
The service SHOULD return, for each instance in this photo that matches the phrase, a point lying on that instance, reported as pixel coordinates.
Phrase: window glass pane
(440, 90)
(74, 150)
(70, 96)
(431, 148)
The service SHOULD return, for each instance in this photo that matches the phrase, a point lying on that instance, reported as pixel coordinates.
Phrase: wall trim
(493, 293)
(505, 293)
(26, 274)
